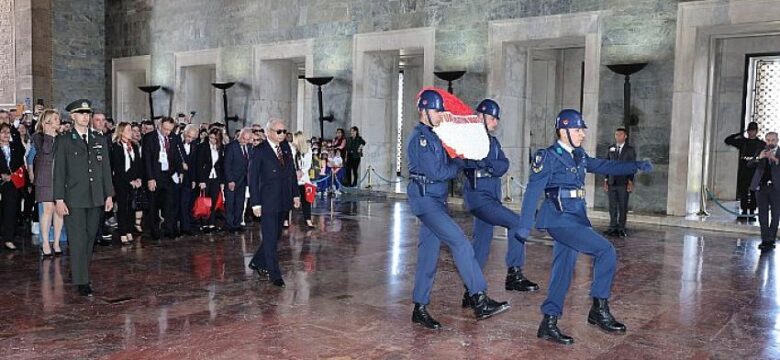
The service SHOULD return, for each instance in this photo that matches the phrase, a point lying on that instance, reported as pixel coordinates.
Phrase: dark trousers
(9, 210)
(747, 201)
(266, 256)
(82, 225)
(162, 200)
(495, 214)
(234, 206)
(187, 200)
(768, 199)
(352, 176)
(568, 242)
(125, 218)
(618, 206)
(305, 205)
(437, 227)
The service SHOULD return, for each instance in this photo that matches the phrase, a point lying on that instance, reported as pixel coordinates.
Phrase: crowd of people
(157, 171)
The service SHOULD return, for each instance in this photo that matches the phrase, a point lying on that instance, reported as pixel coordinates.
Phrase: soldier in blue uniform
(429, 170)
(558, 172)
(482, 197)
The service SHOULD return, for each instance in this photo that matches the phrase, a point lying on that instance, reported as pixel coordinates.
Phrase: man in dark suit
(187, 151)
(619, 187)
(161, 161)
(766, 184)
(273, 187)
(236, 166)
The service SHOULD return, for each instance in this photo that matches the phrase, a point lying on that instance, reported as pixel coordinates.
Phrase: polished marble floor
(683, 295)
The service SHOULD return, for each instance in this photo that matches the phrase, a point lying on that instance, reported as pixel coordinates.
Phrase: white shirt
(163, 158)
(129, 155)
(214, 158)
(187, 148)
(566, 147)
(619, 148)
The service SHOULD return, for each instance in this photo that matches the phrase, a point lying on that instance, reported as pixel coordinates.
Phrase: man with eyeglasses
(273, 188)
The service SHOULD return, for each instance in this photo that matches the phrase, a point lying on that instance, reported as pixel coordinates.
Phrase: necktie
(279, 154)
(620, 149)
(165, 141)
(243, 150)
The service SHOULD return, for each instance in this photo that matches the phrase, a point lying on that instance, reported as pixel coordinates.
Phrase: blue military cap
(570, 119)
(430, 100)
(489, 107)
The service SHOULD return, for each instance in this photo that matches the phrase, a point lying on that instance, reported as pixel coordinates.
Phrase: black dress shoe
(609, 232)
(517, 282)
(187, 233)
(85, 290)
(279, 282)
(104, 242)
(485, 307)
(421, 316)
(548, 330)
(621, 233)
(262, 273)
(600, 316)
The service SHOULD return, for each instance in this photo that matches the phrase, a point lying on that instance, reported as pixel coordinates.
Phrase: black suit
(204, 165)
(9, 205)
(186, 190)
(124, 171)
(617, 187)
(164, 197)
(272, 184)
(236, 164)
(767, 188)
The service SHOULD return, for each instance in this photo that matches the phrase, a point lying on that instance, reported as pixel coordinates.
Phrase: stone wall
(78, 52)
(635, 31)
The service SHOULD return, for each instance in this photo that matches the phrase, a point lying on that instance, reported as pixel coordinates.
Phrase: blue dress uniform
(558, 172)
(482, 197)
(430, 168)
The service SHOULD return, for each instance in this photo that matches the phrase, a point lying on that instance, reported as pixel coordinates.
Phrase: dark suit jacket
(151, 159)
(236, 165)
(204, 164)
(626, 154)
(271, 184)
(17, 158)
(118, 165)
(191, 160)
(760, 166)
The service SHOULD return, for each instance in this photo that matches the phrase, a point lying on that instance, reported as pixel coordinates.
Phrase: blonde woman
(303, 157)
(126, 170)
(42, 172)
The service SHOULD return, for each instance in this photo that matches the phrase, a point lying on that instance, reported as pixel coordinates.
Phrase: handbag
(18, 179)
(310, 192)
(202, 207)
(139, 200)
(220, 207)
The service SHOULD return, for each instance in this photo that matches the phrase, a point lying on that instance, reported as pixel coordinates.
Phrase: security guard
(749, 147)
(82, 188)
(429, 170)
(482, 197)
(558, 172)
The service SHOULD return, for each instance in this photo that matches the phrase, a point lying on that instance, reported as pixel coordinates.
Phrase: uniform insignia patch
(423, 142)
(74, 136)
(559, 150)
(538, 163)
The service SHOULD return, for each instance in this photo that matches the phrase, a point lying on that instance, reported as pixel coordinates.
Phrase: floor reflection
(682, 293)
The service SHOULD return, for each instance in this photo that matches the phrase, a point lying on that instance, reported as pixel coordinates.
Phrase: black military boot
(600, 316)
(421, 316)
(466, 302)
(517, 282)
(548, 330)
(485, 307)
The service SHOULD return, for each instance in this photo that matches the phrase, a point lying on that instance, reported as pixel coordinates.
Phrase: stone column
(381, 96)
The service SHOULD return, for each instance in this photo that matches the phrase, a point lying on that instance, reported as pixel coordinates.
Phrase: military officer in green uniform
(82, 188)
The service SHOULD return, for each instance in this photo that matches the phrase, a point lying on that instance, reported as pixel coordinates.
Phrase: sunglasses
(281, 131)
